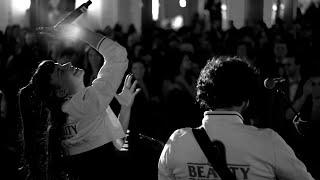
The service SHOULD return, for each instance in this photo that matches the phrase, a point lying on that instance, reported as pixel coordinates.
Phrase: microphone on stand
(158, 142)
(273, 83)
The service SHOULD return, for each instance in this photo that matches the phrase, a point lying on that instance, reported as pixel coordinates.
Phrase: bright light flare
(155, 9)
(223, 7)
(177, 22)
(274, 7)
(182, 3)
(72, 32)
(20, 6)
(224, 19)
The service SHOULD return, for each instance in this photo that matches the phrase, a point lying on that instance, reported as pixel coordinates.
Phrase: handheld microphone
(68, 19)
(73, 15)
(271, 83)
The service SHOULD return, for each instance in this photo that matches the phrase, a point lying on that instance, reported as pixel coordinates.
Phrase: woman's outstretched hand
(128, 93)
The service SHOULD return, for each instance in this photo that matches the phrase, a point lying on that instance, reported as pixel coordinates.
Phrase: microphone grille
(269, 83)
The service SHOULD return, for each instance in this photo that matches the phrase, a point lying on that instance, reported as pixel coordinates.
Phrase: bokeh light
(155, 9)
(274, 7)
(223, 7)
(20, 6)
(182, 3)
(177, 22)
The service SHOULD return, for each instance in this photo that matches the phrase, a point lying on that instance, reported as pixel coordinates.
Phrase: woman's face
(186, 63)
(137, 50)
(67, 77)
(29, 38)
(138, 70)
(94, 59)
(280, 50)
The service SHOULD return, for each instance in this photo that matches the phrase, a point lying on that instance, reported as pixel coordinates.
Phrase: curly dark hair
(225, 82)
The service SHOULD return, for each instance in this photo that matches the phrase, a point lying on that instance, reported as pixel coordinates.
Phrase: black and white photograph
(159, 89)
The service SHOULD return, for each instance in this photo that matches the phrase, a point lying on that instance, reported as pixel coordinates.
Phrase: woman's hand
(129, 91)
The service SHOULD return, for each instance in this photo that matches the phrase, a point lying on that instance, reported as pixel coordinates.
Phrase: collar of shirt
(229, 117)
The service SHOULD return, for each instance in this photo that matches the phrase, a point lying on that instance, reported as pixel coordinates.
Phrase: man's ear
(61, 93)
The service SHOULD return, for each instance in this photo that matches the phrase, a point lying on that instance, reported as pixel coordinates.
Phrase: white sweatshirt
(91, 123)
(252, 153)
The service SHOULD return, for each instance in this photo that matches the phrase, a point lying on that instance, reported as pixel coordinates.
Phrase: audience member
(92, 63)
(143, 122)
(307, 104)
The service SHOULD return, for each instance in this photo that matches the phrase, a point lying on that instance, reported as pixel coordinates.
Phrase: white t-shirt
(91, 123)
(252, 153)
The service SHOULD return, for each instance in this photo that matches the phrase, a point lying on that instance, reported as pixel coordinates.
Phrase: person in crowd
(245, 51)
(293, 74)
(182, 91)
(18, 68)
(92, 63)
(7, 151)
(138, 70)
(271, 60)
(143, 123)
(3, 106)
(280, 51)
(76, 120)
(3, 60)
(288, 92)
(132, 36)
(307, 104)
(225, 88)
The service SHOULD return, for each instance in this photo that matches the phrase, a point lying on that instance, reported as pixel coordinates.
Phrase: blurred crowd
(166, 64)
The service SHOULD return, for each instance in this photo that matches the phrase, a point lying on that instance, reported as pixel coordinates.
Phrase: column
(129, 13)
(290, 10)
(146, 16)
(236, 12)
(5, 14)
(38, 13)
(253, 11)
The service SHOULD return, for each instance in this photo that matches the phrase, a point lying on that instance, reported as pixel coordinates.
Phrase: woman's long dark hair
(42, 119)
(45, 91)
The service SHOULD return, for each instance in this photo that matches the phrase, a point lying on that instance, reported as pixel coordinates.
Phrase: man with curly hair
(226, 87)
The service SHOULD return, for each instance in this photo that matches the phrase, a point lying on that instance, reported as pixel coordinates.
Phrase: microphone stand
(142, 136)
(296, 120)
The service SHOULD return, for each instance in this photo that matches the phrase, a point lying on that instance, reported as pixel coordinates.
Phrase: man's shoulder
(180, 133)
(261, 133)
(266, 131)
